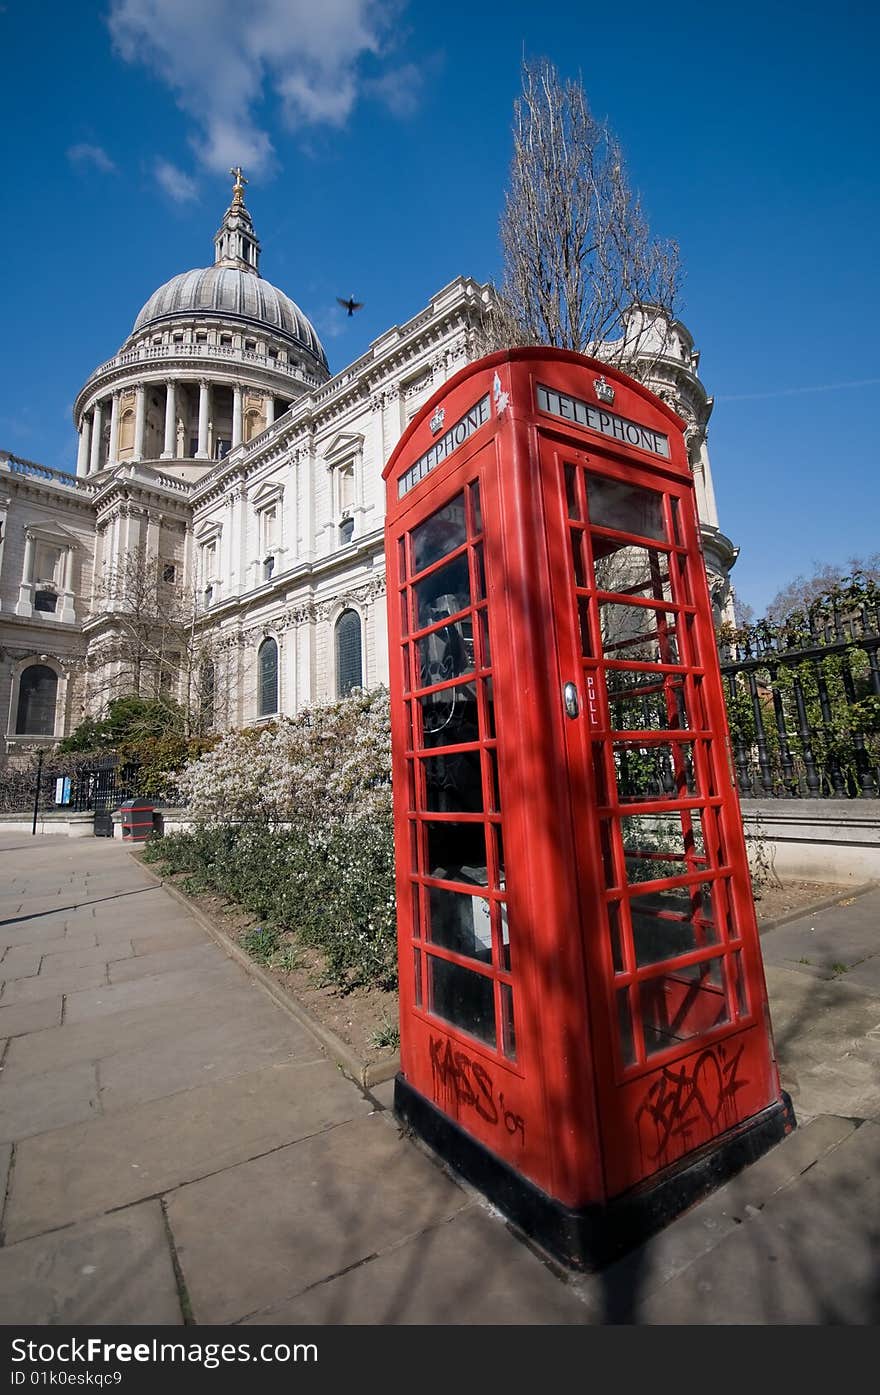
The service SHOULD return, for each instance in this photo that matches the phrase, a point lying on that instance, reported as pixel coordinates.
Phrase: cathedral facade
(227, 480)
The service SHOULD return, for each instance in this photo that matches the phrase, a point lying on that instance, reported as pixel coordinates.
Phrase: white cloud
(84, 154)
(223, 58)
(400, 89)
(178, 186)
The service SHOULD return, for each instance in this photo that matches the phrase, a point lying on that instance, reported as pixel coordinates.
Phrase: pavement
(176, 1148)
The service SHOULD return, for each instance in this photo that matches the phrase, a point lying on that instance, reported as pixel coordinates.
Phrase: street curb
(351, 1065)
(846, 892)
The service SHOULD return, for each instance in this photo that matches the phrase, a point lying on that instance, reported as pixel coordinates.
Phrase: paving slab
(809, 1257)
(64, 1097)
(30, 930)
(86, 1169)
(192, 959)
(467, 1270)
(129, 1030)
(21, 961)
(113, 1270)
(157, 988)
(229, 1046)
(30, 990)
(20, 1018)
(177, 935)
(618, 1294)
(330, 1210)
(61, 962)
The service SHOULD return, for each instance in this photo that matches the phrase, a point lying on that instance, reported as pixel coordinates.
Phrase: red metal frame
(579, 1052)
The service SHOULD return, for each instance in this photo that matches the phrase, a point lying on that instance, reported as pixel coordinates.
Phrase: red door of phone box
(583, 1014)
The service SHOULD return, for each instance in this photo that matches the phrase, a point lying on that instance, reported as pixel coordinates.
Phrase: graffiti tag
(682, 1102)
(471, 1085)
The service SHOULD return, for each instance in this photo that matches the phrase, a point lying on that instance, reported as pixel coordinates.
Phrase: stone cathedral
(216, 448)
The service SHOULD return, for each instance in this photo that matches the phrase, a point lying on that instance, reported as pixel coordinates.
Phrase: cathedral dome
(230, 292)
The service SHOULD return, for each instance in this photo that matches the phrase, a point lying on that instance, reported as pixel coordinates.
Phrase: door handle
(571, 701)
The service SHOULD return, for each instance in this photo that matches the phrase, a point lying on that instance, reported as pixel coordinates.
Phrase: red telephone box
(584, 1025)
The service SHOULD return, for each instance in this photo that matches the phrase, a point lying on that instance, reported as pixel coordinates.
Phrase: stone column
(204, 408)
(82, 455)
(68, 613)
(26, 589)
(236, 415)
(169, 451)
(140, 421)
(269, 407)
(97, 424)
(113, 451)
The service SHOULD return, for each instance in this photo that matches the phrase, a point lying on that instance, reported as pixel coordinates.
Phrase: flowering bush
(294, 822)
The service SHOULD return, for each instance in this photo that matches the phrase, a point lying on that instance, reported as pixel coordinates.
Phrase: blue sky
(376, 135)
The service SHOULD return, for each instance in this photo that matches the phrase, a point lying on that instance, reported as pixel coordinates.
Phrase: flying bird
(351, 304)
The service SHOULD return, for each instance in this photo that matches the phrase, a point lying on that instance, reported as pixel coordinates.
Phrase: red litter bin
(137, 821)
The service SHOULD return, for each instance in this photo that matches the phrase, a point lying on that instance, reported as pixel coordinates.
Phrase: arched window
(349, 668)
(267, 664)
(37, 691)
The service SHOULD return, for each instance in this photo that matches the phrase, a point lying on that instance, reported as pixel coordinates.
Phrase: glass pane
(571, 498)
(446, 653)
(268, 679)
(443, 532)
(614, 932)
(349, 671)
(489, 699)
(37, 691)
(460, 923)
(479, 573)
(457, 852)
(584, 627)
(486, 649)
(417, 976)
(499, 855)
(443, 593)
(658, 845)
(416, 911)
(505, 936)
(454, 783)
(494, 800)
(449, 716)
(665, 771)
(577, 554)
(607, 857)
(465, 999)
(659, 932)
(631, 571)
(508, 1033)
(625, 507)
(683, 1004)
(624, 1027)
(639, 700)
(739, 985)
(476, 507)
(638, 633)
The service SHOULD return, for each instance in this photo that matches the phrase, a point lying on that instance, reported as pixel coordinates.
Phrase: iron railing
(803, 699)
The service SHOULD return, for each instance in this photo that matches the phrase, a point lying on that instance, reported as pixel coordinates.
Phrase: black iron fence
(803, 699)
(97, 785)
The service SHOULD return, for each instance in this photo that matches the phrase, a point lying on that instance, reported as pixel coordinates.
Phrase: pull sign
(570, 698)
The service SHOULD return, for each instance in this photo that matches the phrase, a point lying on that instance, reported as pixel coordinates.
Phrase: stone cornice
(364, 381)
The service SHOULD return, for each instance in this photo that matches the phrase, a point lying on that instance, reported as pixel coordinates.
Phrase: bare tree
(151, 640)
(581, 270)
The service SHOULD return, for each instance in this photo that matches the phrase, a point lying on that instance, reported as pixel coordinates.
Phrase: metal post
(37, 795)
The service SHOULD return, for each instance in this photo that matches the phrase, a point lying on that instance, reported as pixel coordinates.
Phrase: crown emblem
(438, 419)
(604, 391)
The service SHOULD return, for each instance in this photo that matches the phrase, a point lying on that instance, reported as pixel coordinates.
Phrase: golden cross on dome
(240, 181)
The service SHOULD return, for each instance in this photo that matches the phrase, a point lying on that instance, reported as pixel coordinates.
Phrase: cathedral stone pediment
(343, 447)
